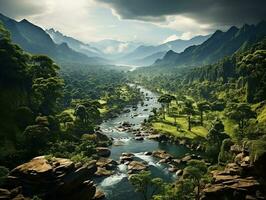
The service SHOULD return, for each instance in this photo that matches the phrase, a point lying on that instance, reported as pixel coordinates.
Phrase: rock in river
(103, 151)
(136, 166)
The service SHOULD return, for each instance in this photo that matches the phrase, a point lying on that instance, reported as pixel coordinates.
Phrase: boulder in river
(140, 138)
(99, 195)
(53, 179)
(103, 172)
(136, 166)
(106, 163)
(162, 154)
(103, 151)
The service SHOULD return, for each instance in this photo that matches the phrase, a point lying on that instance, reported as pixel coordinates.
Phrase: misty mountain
(73, 43)
(146, 53)
(148, 60)
(35, 40)
(219, 45)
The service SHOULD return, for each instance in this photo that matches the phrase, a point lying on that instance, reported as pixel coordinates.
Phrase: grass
(167, 126)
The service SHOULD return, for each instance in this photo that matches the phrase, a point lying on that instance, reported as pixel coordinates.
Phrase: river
(117, 186)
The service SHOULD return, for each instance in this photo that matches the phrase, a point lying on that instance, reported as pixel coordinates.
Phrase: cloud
(171, 38)
(23, 8)
(222, 12)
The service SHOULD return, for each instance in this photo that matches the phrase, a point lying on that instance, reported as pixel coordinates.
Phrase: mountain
(219, 45)
(144, 51)
(149, 60)
(73, 43)
(35, 40)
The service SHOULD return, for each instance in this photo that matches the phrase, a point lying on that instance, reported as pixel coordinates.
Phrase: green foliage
(225, 155)
(145, 184)
(241, 113)
(215, 138)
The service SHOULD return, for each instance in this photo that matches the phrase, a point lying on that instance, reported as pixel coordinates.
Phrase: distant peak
(170, 52)
(233, 28)
(51, 30)
(24, 21)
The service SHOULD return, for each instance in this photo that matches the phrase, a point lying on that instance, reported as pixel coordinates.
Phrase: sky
(146, 21)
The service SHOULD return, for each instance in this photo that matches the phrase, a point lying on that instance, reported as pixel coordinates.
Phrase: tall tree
(202, 107)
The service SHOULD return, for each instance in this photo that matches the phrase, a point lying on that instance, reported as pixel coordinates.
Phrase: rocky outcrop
(54, 178)
(232, 184)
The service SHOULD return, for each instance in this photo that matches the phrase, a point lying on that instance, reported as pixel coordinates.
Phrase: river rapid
(117, 186)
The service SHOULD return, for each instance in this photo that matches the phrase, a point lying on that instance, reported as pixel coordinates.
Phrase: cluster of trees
(30, 90)
(188, 186)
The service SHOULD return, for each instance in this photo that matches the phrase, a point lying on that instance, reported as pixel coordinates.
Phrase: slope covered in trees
(219, 45)
(35, 40)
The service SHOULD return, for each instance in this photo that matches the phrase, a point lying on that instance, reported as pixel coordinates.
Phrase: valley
(119, 119)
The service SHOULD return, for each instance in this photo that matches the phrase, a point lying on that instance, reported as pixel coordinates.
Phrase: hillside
(73, 43)
(35, 40)
(147, 55)
(219, 45)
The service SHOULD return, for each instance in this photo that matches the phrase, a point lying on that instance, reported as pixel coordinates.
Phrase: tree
(65, 117)
(174, 114)
(241, 113)
(81, 113)
(145, 184)
(189, 110)
(202, 106)
(165, 101)
(214, 139)
(195, 171)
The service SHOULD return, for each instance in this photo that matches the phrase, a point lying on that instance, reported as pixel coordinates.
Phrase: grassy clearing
(168, 126)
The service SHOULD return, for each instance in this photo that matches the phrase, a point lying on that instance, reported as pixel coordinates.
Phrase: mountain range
(35, 40)
(147, 55)
(73, 43)
(219, 45)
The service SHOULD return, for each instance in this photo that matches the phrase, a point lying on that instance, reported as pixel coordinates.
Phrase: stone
(147, 153)
(106, 163)
(48, 178)
(139, 138)
(162, 154)
(99, 195)
(126, 124)
(103, 172)
(103, 151)
(137, 166)
(185, 159)
(157, 137)
(179, 172)
(172, 169)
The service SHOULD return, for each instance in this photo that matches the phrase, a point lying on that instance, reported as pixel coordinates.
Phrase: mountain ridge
(219, 45)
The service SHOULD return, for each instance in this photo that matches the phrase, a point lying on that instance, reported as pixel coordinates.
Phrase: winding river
(117, 186)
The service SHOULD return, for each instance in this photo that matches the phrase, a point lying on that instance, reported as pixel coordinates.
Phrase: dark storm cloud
(21, 8)
(222, 12)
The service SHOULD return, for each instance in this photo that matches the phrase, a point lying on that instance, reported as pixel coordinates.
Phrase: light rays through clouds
(146, 21)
